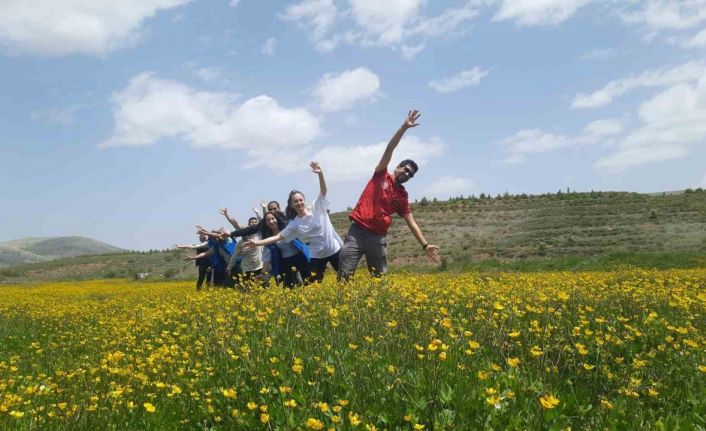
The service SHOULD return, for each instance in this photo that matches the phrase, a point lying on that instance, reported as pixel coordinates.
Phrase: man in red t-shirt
(383, 195)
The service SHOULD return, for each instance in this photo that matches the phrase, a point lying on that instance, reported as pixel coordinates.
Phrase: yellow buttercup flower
(149, 407)
(548, 401)
(314, 424)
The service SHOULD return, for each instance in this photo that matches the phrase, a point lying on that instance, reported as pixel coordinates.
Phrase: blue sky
(131, 122)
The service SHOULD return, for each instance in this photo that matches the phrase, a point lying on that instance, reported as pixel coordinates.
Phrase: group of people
(295, 246)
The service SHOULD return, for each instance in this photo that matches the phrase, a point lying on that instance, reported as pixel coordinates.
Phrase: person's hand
(411, 120)
(189, 258)
(256, 211)
(315, 168)
(433, 253)
(201, 230)
(223, 211)
(250, 244)
(263, 204)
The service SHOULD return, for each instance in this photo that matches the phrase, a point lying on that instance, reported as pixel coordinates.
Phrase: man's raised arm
(409, 122)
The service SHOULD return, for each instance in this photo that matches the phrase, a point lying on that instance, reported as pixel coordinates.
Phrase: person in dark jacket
(202, 264)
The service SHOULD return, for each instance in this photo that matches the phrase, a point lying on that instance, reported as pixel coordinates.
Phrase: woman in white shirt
(312, 227)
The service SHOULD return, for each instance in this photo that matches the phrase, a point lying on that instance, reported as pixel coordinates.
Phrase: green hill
(29, 250)
(551, 231)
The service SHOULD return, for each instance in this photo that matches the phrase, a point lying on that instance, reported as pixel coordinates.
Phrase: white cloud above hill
(449, 186)
(538, 12)
(463, 79)
(397, 24)
(336, 92)
(686, 72)
(65, 27)
(150, 109)
(345, 163)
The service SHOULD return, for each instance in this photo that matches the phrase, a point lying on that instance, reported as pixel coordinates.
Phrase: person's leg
(376, 254)
(335, 260)
(317, 267)
(350, 254)
(291, 267)
(219, 276)
(202, 278)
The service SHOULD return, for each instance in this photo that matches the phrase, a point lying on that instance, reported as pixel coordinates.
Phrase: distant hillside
(30, 250)
(555, 225)
(551, 231)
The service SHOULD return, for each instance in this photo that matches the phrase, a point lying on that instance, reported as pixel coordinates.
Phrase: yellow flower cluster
(521, 351)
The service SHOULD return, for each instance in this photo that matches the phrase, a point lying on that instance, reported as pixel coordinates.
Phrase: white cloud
(346, 163)
(409, 52)
(150, 109)
(64, 27)
(631, 157)
(530, 142)
(397, 24)
(538, 12)
(463, 79)
(449, 186)
(209, 74)
(686, 72)
(696, 41)
(607, 127)
(268, 48)
(660, 15)
(673, 121)
(336, 92)
(384, 21)
(319, 16)
(599, 54)
(234, 3)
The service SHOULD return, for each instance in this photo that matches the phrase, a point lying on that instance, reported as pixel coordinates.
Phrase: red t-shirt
(379, 200)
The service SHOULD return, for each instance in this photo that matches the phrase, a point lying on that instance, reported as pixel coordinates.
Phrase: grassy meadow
(619, 349)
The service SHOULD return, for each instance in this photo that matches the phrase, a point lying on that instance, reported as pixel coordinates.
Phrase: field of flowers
(592, 350)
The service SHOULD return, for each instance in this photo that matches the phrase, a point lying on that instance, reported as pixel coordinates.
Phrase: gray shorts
(360, 242)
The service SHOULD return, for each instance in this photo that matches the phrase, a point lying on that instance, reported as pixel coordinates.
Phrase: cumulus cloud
(336, 92)
(319, 17)
(448, 186)
(64, 27)
(696, 41)
(531, 142)
(607, 127)
(686, 72)
(463, 79)
(533, 12)
(660, 15)
(151, 109)
(337, 159)
(398, 24)
(384, 21)
(673, 121)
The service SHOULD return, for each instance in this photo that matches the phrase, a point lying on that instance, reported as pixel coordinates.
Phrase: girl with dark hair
(311, 226)
(285, 260)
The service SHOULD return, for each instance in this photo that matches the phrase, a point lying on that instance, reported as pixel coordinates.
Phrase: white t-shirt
(316, 230)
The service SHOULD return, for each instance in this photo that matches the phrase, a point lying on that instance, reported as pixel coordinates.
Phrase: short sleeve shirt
(316, 230)
(380, 199)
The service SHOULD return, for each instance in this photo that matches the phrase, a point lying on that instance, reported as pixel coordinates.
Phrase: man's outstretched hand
(411, 120)
(433, 253)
